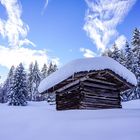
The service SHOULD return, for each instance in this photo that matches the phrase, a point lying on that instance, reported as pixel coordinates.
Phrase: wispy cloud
(87, 52)
(102, 18)
(14, 29)
(26, 42)
(45, 6)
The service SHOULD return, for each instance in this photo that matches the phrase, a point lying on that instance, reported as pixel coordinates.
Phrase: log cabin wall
(89, 94)
(99, 96)
(69, 99)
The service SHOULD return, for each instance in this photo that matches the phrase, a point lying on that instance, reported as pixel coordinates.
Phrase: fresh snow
(40, 121)
(87, 64)
(131, 104)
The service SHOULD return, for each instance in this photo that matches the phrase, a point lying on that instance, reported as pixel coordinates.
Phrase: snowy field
(39, 121)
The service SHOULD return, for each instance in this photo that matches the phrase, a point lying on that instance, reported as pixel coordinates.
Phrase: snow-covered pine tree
(55, 68)
(121, 59)
(44, 71)
(134, 64)
(116, 53)
(7, 84)
(36, 81)
(128, 61)
(136, 38)
(107, 52)
(136, 51)
(2, 95)
(135, 92)
(52, 68)
(18, 90)
(30, 82)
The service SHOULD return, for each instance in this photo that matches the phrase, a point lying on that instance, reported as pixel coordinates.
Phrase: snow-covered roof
(86, 64)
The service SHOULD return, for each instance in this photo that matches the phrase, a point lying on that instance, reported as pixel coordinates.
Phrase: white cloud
(120, 41)
(45, 6)
(102, 18)
(26, 42)
(14, 29)
(87, 52)
(13, 56)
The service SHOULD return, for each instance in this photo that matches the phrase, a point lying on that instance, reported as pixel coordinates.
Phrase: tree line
(128, 56)
(21, 85)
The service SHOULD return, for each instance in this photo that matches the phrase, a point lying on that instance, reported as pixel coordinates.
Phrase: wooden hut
(90, 83)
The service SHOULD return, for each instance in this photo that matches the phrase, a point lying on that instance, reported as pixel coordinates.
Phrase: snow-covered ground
(39, 121)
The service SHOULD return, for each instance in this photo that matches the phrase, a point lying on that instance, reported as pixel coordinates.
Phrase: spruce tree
(128, 57)
(121, 59)
(136, 50)
(135, 92)
(107, 52)
(136, 38)
(36, 81)
(18, 90)
(52, 68)
(44, 71)
(134, 64)
(3, 96)
(116, 53)
(30, 81)
(7, 84)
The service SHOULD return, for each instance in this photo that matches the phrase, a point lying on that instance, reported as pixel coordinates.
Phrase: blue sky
(61, 30)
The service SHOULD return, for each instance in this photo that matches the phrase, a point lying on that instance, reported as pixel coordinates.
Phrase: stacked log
(98, 92)
(67, 101)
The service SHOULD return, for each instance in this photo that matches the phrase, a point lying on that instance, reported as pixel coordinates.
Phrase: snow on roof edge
(86, 64)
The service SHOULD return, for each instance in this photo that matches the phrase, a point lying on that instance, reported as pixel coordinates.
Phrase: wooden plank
(101, 82)
(71, 84)
(101, 97)
(94, 104)
(93, 85)
(99, 92)
(74, 88)
(118, 78)
(64, 100)
(100, 100)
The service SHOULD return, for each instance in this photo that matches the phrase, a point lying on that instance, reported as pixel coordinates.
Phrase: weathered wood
(88, 84)
(71, 84)
(101, 92)
(95, 102)
(98, 107)
(101, 82)
(74, 88)
(118, 78)
(89, 90)
(100, 97)
(99, 100)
